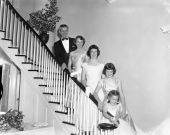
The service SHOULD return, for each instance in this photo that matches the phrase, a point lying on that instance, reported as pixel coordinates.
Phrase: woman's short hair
(109, 66)
(93, 47)
(113, 93)
(81, 38)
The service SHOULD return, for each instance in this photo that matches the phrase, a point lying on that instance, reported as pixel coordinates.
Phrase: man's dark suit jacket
(61, 55)
(1, 90)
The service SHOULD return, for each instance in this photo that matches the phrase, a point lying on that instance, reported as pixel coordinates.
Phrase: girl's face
(93, 53)
(109, 73)
(113, 99)
(79, 43)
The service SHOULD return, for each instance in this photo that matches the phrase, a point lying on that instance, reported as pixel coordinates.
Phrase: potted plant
(44, 20)
(11, 119)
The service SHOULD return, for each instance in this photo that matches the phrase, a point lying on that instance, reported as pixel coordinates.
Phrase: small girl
(112, 111)
(108, 83)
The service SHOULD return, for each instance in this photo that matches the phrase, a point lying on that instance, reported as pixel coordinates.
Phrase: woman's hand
(100, 106)
(105, 93)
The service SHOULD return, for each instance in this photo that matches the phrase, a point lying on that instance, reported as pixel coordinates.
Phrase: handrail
(84, 89)
(11, 6)
(74, 79)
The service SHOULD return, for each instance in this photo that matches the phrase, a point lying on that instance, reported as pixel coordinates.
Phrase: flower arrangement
(12, 119)
(44, 20)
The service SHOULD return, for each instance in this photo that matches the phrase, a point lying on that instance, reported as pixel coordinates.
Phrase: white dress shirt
(66, 45)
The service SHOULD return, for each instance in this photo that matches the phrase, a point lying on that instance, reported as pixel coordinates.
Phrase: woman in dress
(91, 74)
(112, 111)
(108, 83)
(77, 57)
(92, 70)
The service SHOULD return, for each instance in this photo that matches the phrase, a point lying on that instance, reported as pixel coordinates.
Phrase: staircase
(38, 96)
(48, 94)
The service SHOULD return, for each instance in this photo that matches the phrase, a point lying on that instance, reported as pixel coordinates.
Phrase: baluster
(7, 27)
(40, 60)
(54, 82)
(37, 54)
(22, 35)
(47, 72)
(50, 74)
(57, 82)
(14, 35)
(20, 28)
(34, 52)
(5, 16)
(30, 58)
(26, 34)
(12, 25)
(28, 45)
(45, 69)
(59, 86)
(1, 14)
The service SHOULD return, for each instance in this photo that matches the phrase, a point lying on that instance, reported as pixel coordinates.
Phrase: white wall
(128, 34)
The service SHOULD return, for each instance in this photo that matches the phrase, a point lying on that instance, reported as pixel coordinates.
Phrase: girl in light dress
(77, 58)
(92, 70)
(108, 83)
(112, 111)
(91, 74)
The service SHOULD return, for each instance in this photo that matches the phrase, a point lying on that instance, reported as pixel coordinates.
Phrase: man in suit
(64, 46)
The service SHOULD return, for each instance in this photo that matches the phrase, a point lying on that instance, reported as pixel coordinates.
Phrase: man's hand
(63, 66)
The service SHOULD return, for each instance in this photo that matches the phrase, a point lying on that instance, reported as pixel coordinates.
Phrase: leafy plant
(12, 119)
(44, 20)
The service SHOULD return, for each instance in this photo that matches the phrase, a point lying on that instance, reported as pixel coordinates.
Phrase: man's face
(64, 32)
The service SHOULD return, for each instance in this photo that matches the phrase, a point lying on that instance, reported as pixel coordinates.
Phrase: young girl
(92, 69)
(108, 83)
(112, 111)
